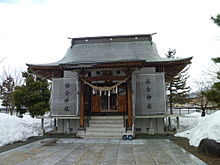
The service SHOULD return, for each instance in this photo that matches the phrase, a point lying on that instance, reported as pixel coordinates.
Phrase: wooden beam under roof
(171, 68)
(107, 78)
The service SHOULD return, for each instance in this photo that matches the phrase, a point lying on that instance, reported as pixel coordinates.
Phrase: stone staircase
(105, 126)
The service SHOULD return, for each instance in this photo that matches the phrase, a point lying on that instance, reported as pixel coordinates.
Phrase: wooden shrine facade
(107, 92)
(105, 75)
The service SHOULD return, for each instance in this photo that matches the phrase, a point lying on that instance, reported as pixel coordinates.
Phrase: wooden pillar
(129, 103)
(81, 120)
(55, 124)
(178, 122)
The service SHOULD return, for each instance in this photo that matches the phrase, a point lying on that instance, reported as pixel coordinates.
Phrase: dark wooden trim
(81, 120)
(129, 102)
(108, 113)
(107, 78)
(171, 68)
(40, 67)
(93, 65)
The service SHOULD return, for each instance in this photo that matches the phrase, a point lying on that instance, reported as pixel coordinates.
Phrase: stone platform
(99, 152)
(104, 127)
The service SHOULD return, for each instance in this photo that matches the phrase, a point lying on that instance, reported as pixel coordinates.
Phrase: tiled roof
(92, 50)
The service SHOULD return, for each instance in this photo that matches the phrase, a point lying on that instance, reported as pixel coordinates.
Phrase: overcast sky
(36, 31)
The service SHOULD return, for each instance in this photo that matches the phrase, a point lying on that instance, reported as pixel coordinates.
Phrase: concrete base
(67, 126)
(108, 123)
(149, 126)
(81, 133)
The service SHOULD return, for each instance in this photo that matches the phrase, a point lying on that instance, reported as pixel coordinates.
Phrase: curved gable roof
(111, 52)
(94, 52)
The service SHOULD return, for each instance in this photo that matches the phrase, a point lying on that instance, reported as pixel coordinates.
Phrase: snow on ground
(197, 127)
(189, 120)
(14, 129)
(194, 127)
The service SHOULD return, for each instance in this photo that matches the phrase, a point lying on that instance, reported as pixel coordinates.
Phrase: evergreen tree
(7, 88)
(213, 95)
(19, 99)
(216, 20)
(178, 91)
(34, 95)
(179, 88)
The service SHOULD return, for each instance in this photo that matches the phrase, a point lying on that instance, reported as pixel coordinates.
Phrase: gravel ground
(19, 143)
(184, 143)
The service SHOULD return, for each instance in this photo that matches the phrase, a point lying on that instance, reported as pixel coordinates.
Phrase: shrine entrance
(106, 96)
(109, 101)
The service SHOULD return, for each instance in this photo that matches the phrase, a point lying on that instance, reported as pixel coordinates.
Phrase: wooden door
(121, 103)
(122, 99)
(116, 102)
(95, 103)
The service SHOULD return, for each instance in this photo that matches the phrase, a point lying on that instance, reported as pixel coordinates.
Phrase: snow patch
(14, 129)
(199, 127)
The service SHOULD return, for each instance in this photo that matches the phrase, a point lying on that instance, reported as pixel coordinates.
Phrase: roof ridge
(115, 38)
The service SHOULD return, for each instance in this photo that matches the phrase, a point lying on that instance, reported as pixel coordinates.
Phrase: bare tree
(203, 84)
(2, 59)
(210, 72)
(199, 98)
(15, 73)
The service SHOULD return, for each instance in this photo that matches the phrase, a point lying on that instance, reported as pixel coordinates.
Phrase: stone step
(106, 125)
(103, 134)
(95, 136)
(106, 122)
(104, 130)
(106, 117)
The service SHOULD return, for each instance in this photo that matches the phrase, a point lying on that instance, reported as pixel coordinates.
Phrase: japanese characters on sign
(66, 99)
(148, 95)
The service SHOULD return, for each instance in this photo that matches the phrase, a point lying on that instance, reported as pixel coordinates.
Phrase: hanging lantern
(100, 93)
(105, 93)
(109, 92)
(93, 91)
(116, 90)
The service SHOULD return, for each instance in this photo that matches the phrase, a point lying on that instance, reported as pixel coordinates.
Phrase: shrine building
(105, 86)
